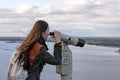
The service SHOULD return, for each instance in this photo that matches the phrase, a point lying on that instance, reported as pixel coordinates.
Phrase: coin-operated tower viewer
(65, 69)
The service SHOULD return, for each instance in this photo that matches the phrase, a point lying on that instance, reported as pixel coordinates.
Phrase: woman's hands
(57, 36)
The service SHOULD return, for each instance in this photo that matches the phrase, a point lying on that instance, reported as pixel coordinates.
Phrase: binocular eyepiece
(70, 39)
(51, 33)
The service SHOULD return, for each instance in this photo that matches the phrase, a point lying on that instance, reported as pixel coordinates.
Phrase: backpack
(15, 70)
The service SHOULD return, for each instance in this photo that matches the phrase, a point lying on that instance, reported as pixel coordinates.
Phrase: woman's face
(45, 34)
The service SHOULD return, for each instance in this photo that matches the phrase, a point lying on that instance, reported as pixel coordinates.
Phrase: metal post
(65, 69)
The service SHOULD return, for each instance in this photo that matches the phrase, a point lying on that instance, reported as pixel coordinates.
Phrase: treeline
(103, 41)
(11, 39)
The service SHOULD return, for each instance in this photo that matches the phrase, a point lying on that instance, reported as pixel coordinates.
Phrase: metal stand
(65, 69)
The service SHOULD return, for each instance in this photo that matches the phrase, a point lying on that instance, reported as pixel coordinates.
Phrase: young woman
(34, 50)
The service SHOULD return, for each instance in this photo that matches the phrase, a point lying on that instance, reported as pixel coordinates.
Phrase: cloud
(86, 16)
(23, 8)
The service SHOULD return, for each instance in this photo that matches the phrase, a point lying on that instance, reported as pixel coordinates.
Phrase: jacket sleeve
(48, 58)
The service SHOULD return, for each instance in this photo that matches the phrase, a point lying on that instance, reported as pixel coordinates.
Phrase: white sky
(72, 17)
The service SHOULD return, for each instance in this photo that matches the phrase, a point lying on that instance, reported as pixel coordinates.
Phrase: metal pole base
(66, 77)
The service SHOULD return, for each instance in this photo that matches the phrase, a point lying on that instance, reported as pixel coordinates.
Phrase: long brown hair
(36, 32)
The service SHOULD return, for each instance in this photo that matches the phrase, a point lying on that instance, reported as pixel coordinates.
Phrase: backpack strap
(14, 57)
(34, 51)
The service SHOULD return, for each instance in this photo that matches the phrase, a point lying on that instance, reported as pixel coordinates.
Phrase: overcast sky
(72, 17)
